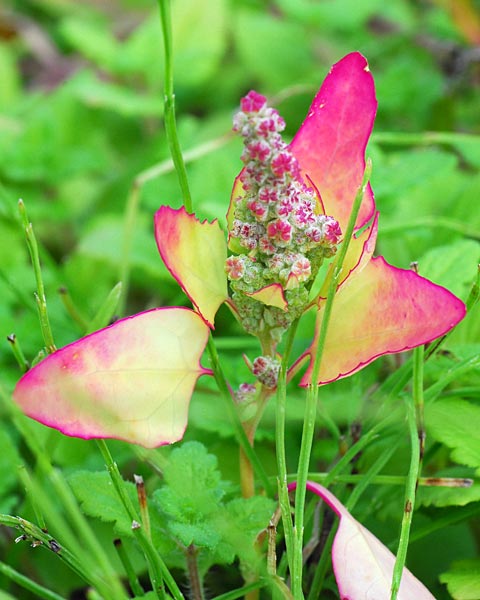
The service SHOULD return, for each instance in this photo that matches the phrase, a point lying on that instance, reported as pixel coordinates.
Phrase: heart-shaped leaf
(131, 381)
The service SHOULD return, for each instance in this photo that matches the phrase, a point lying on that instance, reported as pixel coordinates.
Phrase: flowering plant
(288, 209)
(302, 227)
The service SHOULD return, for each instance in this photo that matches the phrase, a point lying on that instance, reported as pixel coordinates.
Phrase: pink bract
(363, 566)
(131, 381)
(379, 309)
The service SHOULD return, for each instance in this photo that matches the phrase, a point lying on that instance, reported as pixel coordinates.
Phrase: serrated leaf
(456, 423)
(246, 518)
(463, 580)
(193, 490)
(98, 498)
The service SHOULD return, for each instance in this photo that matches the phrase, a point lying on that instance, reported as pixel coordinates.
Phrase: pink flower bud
(235, 267)
(253, 102)
(280, 231)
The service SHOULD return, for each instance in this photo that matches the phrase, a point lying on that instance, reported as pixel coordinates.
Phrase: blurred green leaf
(456, 423)
(463, 579)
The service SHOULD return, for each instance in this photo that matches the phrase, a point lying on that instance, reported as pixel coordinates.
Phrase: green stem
(38, 590)
(312, 392)
(18, 353)
(72, 309)
(235, 420)
(158, 569)
(169, 99)
(282, 479)
(40, 294)
(75, 529)
(450, 482)
(415, 462)
(241, 592)
(129, 570)
(35, 535)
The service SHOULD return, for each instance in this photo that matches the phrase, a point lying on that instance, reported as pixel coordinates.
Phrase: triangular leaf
(194, 253)
(381, 311)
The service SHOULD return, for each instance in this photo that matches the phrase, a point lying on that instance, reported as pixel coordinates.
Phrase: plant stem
(38, 590)
(158, 569)
(18, 353)
(194, 579)
(415, 463)
(312, 392)
(129, 570)
(37, 536)
(238, 427)
(169, 99)
(281, 402)
(40, 294)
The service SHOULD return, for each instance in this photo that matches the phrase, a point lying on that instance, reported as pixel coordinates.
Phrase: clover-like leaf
(194, 253)
(363, 566)
(131, 381)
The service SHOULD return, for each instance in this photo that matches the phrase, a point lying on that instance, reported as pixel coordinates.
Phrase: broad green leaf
(200, 36)
(98, 498)
(112, 96)
(131, 381)
(363, 566)
(463, 580)
(453, 265)
(92, 38)
(269, 49)
(194, 253)
(456, 423)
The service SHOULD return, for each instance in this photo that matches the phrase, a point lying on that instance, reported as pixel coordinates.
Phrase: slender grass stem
(312, 393)
(135, 585)
(28, 584)
(413, 405)
(158, 570)
(280, 445)
(40, 293)
(169, 100)
(37, 536)
(18, 353)
(235, 420)
(73, 528)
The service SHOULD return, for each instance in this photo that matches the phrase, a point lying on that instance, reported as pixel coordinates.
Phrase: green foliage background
(81, 120)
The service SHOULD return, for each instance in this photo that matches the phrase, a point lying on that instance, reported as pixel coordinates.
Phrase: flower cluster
(277, 216)
(278, 226)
